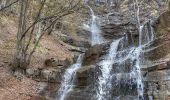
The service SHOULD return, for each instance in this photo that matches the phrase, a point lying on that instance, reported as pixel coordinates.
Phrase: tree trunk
(20, 57)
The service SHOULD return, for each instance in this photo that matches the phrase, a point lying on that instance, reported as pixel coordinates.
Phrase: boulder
(44, 74)
(51, 75)
(33, 72)
(53, 62)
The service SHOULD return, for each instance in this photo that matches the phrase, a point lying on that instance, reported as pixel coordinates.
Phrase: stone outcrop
(159, 49)
(114, 25)
(75, 41)
(52, 62)
(85, 75)
(45, 75)
(51, 72)
(156, 78)
(94, 53)
(162, 24)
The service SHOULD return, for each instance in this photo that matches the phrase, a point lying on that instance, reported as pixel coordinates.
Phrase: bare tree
(6, 4)
(25, 35)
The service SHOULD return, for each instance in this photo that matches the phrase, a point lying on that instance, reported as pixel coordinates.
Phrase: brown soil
(23, 88)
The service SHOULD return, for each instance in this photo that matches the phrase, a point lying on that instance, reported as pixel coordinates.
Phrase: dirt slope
(23, 88)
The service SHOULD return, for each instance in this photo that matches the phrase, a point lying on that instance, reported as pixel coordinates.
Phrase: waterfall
(136, 68)
(136, 56)
(121, 66)
(104, 81)
(68, 79)
(96, 37)
(118, 54)
(149, 37)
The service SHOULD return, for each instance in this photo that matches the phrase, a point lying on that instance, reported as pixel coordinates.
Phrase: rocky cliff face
(157, 77)
(155, 70)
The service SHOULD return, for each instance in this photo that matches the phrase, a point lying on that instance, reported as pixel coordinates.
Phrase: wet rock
(127, 97)
(124, 84)
(84, 74)
(80, 95)
(168, 63)
(123, 67)
(94, 53)
(84, 33)
(160, 75)
(84, 71)
(155, 67)
(158, 90)
(158, 49)
(114, 25)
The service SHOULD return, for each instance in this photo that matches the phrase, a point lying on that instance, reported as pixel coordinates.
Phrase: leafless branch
(9, 5)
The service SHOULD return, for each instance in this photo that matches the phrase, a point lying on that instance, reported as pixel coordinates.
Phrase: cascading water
(134, 56)
(137, 72)
(149, 38)
(104, 81)
(112, 67)
(68, 79)
(96, 37)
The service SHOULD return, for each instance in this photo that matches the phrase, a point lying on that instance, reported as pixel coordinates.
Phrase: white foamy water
(104, 82)
(137, 56)
(68, 79)
(96, 37)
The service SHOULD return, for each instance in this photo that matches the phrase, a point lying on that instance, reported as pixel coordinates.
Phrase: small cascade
(104, 81)
(96, 37)
(69, 78)
(146, 33)
(149, 37)
(135, 57)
